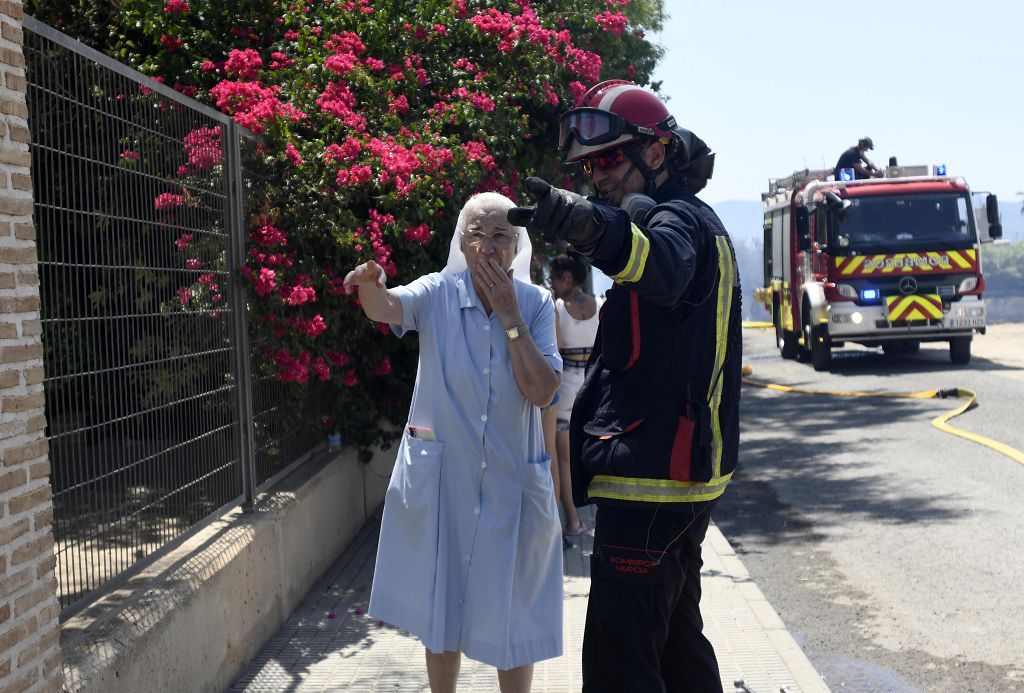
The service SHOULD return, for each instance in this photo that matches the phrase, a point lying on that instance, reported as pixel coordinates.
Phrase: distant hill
(1013, 220)
(742, 218)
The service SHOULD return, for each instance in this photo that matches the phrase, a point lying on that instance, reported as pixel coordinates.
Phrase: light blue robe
(470, 552)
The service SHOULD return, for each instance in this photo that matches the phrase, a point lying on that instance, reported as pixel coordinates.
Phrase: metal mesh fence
(145, 343)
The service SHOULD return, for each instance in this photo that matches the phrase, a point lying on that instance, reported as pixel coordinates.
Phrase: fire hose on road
(970, 400)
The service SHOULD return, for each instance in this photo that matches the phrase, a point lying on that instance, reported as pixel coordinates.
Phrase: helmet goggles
(592, 126)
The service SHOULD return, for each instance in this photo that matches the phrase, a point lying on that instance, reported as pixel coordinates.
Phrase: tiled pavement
(330, 644)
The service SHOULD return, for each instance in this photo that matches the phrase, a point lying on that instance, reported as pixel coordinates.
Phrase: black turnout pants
(644, 631)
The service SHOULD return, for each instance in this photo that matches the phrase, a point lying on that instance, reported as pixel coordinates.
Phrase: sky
(775, 87)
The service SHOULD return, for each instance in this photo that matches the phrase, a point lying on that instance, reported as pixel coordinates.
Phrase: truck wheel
(912, 346)
(784, 339)
(821, 348)
(960, 350)
(892, 348)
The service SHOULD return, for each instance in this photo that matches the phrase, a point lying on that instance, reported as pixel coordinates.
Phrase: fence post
(241, 354)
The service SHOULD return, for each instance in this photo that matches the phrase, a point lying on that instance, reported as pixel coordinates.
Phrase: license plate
(965, 322)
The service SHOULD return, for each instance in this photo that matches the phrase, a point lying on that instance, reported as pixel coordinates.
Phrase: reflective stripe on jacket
(657, 418)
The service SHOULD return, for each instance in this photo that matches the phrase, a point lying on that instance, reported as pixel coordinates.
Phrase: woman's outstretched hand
(367, 273)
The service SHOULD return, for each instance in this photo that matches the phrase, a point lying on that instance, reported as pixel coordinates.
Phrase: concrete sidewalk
(330, 644)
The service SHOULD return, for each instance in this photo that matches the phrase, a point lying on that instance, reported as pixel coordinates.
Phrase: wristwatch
(514, 333)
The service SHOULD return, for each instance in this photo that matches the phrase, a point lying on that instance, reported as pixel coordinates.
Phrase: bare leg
(518, 680)
(443, 671)
(572, 520)
(548, 423)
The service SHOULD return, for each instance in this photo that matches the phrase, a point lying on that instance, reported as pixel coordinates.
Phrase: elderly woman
(470, 558)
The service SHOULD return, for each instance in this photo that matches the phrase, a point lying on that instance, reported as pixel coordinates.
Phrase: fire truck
(884, 262)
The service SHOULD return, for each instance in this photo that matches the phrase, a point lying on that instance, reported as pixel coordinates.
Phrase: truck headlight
(969, 284)
(846, 290)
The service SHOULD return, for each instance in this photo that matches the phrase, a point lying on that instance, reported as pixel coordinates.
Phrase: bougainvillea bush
(378, 119)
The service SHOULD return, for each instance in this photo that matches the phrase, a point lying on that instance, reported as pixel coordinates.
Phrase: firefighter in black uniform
(655, 427)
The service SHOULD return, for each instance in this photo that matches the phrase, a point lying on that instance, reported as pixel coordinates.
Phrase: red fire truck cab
(889, 262)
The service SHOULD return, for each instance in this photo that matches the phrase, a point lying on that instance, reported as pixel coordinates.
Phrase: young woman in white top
(577, 314)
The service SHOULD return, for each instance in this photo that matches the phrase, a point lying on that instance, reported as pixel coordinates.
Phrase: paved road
(891, 550)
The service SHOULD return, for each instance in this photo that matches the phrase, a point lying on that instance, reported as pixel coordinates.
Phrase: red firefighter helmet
(611, 114)
(617, 112)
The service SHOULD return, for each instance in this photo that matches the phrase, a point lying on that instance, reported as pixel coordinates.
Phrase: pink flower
(176, 7)
(337, 358)
(360, 174)
(279, 61)
(382, 368)
(399, 105)
(265, 281)
(183, 241)
(165, 201)
(322, 370)
(577, 90)
(298, 293)
(341, 63)
(292, 154)
(171, 43)
(193, 263)
(184, 295)
(418, 234)
(267, 235)
(292, 368)
(202, 147)
(337, 100)
(129, 155)
(252, 104)
(615, 22)
(351, 380)
(244, 64)
(550, 96)
(312, 327)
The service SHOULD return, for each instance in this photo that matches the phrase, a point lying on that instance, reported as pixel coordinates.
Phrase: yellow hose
(939, 422)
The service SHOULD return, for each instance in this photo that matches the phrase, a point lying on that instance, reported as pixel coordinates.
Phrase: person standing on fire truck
(655, 428)
(856, 159)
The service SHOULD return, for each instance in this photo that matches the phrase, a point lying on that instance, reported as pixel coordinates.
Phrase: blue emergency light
(940, 169)
(846, 174)
(869, 295)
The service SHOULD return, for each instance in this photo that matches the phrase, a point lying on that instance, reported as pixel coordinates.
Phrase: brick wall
(29, 630)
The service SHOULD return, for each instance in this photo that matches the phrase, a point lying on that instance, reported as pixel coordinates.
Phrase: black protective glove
(560, 215)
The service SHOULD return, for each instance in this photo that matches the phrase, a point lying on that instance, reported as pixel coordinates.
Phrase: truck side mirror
(995, 229)
(803, 228)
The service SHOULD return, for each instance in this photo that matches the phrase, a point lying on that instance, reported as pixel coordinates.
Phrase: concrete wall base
(194, 618)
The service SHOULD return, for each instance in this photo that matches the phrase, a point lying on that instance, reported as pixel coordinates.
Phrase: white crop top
(577, 334)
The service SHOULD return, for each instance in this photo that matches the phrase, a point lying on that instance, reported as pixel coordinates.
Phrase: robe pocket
(419, 485)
